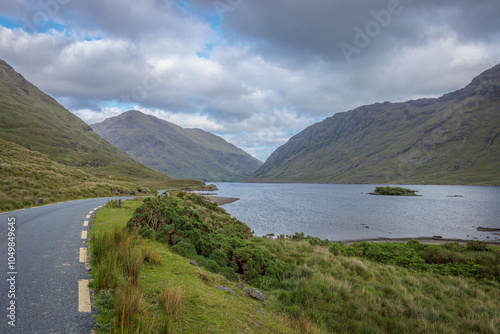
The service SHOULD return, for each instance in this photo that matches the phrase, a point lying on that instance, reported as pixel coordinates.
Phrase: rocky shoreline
(222, 200)
(425, 240)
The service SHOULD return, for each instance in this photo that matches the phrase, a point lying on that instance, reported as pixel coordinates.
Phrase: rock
(258, 310)
(256, 294)
(225, 289)
(240, 285)
(193, 263)
(177, 273)
(260, 324)
(39, 201)
(488, 229)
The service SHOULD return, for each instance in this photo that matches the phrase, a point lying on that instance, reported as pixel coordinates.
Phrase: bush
(148, 233)
(476, 246)
(395, 191)
(475, 260)
(337, 248)
(197, 228)
(185, 249)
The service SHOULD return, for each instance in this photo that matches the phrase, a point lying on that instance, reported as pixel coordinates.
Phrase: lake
(346, 212)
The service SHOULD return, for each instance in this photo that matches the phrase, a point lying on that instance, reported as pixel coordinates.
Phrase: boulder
(256, 294)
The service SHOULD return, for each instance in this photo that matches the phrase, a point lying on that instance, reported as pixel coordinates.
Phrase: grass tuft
(128, 299)
(171, 300)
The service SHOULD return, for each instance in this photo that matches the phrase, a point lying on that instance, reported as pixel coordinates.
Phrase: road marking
(88, 217)
(84, 296)
(95, 209)
(84, 234)
(86, 223)
(91, 212)
(83, 254)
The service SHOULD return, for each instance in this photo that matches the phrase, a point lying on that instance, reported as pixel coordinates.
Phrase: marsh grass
(127, 304)
(151, 255)
(132, 265)
(171, 299)
(355, 295)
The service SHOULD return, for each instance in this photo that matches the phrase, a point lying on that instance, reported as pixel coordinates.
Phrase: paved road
(46, 270)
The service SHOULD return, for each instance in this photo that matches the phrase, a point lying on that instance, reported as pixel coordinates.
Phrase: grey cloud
(297, 30)
(269, 67)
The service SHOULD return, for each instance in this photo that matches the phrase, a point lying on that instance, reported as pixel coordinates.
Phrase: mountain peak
(181, 153)
(453, 139)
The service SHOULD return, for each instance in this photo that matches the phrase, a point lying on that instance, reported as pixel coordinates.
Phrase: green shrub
(197, 228)
(185, 249)
(476, 246)
(148, 233)
(395, 191)
(474, 260)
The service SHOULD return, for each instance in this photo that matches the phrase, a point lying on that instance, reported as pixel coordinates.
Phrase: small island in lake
(394, 191)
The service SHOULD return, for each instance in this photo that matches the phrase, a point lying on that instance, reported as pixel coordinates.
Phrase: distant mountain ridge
(33, 119)
(453, 139)
(181, 153)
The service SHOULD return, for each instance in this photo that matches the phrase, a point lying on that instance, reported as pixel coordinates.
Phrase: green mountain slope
(32, 119)
(27, 175)
(181, 153)
(453, 139)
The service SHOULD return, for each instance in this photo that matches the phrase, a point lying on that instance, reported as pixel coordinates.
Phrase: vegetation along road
(43, 253)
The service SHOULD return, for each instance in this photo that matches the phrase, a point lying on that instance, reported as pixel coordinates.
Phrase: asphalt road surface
(39, 289)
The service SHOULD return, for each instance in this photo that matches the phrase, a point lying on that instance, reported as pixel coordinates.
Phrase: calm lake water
(347, 212)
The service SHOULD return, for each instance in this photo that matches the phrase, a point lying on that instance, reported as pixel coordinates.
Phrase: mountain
(30, 118)
(453, 139)
(181, 153)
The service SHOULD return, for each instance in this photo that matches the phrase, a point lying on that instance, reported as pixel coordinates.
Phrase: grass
(195, 305)
(171, 300)
(26, 175)
(321, 292)
(353, 295)
(38, 123)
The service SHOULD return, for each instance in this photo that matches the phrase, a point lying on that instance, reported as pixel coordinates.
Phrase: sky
(255, 72)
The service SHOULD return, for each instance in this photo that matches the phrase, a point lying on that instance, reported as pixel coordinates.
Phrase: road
(40, 285)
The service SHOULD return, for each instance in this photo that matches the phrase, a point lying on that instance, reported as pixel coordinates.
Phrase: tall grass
(151, 255)
(132, 264)
(117, 258)
(171, 299)
(352, 295)
(128, 299)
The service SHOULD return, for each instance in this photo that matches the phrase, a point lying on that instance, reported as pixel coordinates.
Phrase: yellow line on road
(84, 234)
(83, 254)
(84, 296)
(86, 223)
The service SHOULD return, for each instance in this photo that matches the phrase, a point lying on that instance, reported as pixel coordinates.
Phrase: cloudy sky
(255, 72)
